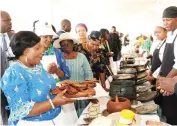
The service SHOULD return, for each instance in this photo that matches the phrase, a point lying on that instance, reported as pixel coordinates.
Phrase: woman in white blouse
(161, 34)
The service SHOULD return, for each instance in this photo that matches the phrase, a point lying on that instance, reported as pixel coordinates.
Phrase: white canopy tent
(129, 16)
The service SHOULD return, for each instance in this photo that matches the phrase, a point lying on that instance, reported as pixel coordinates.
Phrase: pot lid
(127, 71)
(123, 76)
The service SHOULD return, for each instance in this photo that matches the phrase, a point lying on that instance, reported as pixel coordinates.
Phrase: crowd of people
(26, 97)
(80, 59)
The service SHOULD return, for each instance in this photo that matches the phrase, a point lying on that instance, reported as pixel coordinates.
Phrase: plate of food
(88, 120)
(88, 89)
(145, 109)
(116, 119)
(101, 121)
(155, 123)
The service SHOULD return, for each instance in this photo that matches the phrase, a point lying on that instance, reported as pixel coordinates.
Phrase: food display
(145, 109)
(76, 89)
(125, 118)
(155, 123)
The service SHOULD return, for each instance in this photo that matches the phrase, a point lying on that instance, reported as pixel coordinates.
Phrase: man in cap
(169, 65)
(65, 27)
(6, 52)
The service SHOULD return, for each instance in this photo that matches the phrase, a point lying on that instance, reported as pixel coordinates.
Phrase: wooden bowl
(123, 103)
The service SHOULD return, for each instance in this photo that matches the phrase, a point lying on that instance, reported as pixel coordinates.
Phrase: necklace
(25, 65)
(36, 69)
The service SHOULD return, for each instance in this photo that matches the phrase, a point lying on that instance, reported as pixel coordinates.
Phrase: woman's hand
(104, 87)
(60, 100)
(52, 68)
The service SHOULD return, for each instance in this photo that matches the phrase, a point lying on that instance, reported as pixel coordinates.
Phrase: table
(103, 102)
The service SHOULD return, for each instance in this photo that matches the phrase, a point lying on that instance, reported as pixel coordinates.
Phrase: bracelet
(51, 103)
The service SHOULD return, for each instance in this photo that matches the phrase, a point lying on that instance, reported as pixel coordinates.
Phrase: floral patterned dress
(24, 86)
(98, 59)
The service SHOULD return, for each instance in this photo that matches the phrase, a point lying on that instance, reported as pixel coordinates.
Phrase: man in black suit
(5, 36)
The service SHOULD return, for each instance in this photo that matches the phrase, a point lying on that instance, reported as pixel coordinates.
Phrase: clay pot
(116, 106)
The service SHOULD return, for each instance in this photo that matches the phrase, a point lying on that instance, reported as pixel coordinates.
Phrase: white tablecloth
(103, 103)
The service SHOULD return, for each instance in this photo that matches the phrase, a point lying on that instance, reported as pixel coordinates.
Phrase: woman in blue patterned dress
(27, 85)
(78, 64)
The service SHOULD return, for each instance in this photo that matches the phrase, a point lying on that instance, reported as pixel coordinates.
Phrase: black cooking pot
(141, 81)
(129, 60)
(123, 88)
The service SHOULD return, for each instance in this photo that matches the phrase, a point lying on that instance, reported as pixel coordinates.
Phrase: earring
(26, 59)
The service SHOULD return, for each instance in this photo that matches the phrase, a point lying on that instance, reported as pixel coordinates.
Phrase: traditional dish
(145, 109)
(76, 89)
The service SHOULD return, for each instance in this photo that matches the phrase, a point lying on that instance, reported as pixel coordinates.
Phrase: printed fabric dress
(97, 60)
(24, 86)
(80, 70)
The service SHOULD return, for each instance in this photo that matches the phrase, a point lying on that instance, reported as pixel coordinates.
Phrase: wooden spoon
(116, 99)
